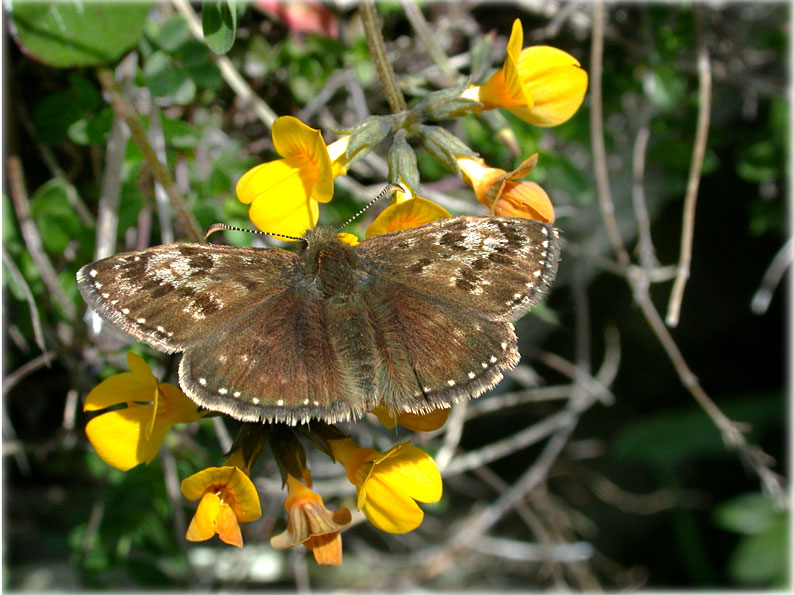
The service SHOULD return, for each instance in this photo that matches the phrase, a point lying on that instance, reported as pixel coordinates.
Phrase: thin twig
(695, 168)
(377, 50)
(644, 243)
(157, 138)
(755, 458)
(32, 237)
(597, 135)
(232, 76)
(123, 107)
(772, 276)
(35, 320)
(429, 40)
(12, 379)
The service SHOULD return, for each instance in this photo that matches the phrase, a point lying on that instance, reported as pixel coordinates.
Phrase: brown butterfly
(412, 320)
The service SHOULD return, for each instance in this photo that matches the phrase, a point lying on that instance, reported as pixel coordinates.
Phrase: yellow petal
(556, 83)
(121, 388)
(195, 486)
(406, 215)
(348, 238)
(118, 437)
(411, 470)
(389, 510)
(174, 406)
(386, 418)
(303, 145)
(140, 369)
(244, 500)
(423, 422)
(202, 526)
(285, 208)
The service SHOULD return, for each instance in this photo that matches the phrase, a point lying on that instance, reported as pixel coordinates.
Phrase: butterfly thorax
(329, 263)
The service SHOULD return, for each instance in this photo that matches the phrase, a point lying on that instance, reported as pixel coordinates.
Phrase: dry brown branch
(695, 168)
(597, 133)
(32, 237)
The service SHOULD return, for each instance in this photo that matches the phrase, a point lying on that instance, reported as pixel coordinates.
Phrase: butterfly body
(412, 320)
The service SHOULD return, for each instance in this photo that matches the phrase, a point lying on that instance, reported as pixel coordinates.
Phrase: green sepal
(319, 433)
(288, 452)
(444, 105)
(444, 146)
(250, 441)
(368, 134)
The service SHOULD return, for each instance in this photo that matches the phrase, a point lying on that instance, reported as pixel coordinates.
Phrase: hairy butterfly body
(412, 320)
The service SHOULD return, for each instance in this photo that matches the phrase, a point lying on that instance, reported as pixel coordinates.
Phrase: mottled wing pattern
(172, 296)
(499, 267)
(278, 361)
(429, 355)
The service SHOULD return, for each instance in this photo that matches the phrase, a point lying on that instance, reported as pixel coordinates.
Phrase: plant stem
(377, 49)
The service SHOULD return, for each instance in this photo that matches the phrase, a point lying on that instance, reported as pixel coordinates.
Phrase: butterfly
(412, 320)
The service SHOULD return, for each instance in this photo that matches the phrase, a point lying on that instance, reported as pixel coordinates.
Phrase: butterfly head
(329, 261)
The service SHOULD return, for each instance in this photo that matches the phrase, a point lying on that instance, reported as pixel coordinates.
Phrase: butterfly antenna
(223, 227)
(388, 190)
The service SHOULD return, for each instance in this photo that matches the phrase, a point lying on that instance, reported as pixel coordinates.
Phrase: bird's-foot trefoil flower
(309, 522)
(227, 497)
(126, 437)
(389, 484)
(284, 194)
(541, 85)
(503, 194)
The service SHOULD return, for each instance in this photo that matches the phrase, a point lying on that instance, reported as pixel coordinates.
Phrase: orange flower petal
(227, 526)
(327, 549)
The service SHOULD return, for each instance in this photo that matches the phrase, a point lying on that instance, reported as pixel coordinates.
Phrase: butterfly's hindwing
(501, 267)
(172, 296)
(276, 362)
(432, 355)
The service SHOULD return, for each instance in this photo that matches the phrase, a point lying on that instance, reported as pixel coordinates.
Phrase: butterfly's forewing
(172, 296)
(500, 267)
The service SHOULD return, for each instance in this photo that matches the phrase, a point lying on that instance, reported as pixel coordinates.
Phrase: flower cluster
(541, 85)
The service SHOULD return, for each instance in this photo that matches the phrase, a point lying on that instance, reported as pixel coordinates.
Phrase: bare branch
(695, 168)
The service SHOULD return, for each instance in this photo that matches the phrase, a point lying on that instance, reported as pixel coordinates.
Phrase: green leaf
(69, 34)
(219, 22)
(55, 218)
(761, 559)
(165, 79)
(173, 34)
(748, 514)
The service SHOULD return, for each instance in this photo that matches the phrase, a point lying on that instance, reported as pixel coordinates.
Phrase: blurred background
(608, 475)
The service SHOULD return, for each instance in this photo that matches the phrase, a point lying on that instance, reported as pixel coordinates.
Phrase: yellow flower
(541, 85)
(498, 190)
(228, 497)
(283, 194)
(417, 422)
(309, 522)
(407, 211)
(127, 437)
(389, 484)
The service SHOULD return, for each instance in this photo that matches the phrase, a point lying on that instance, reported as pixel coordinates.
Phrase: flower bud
(402, 162)
(444, 105)
(368, 134)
